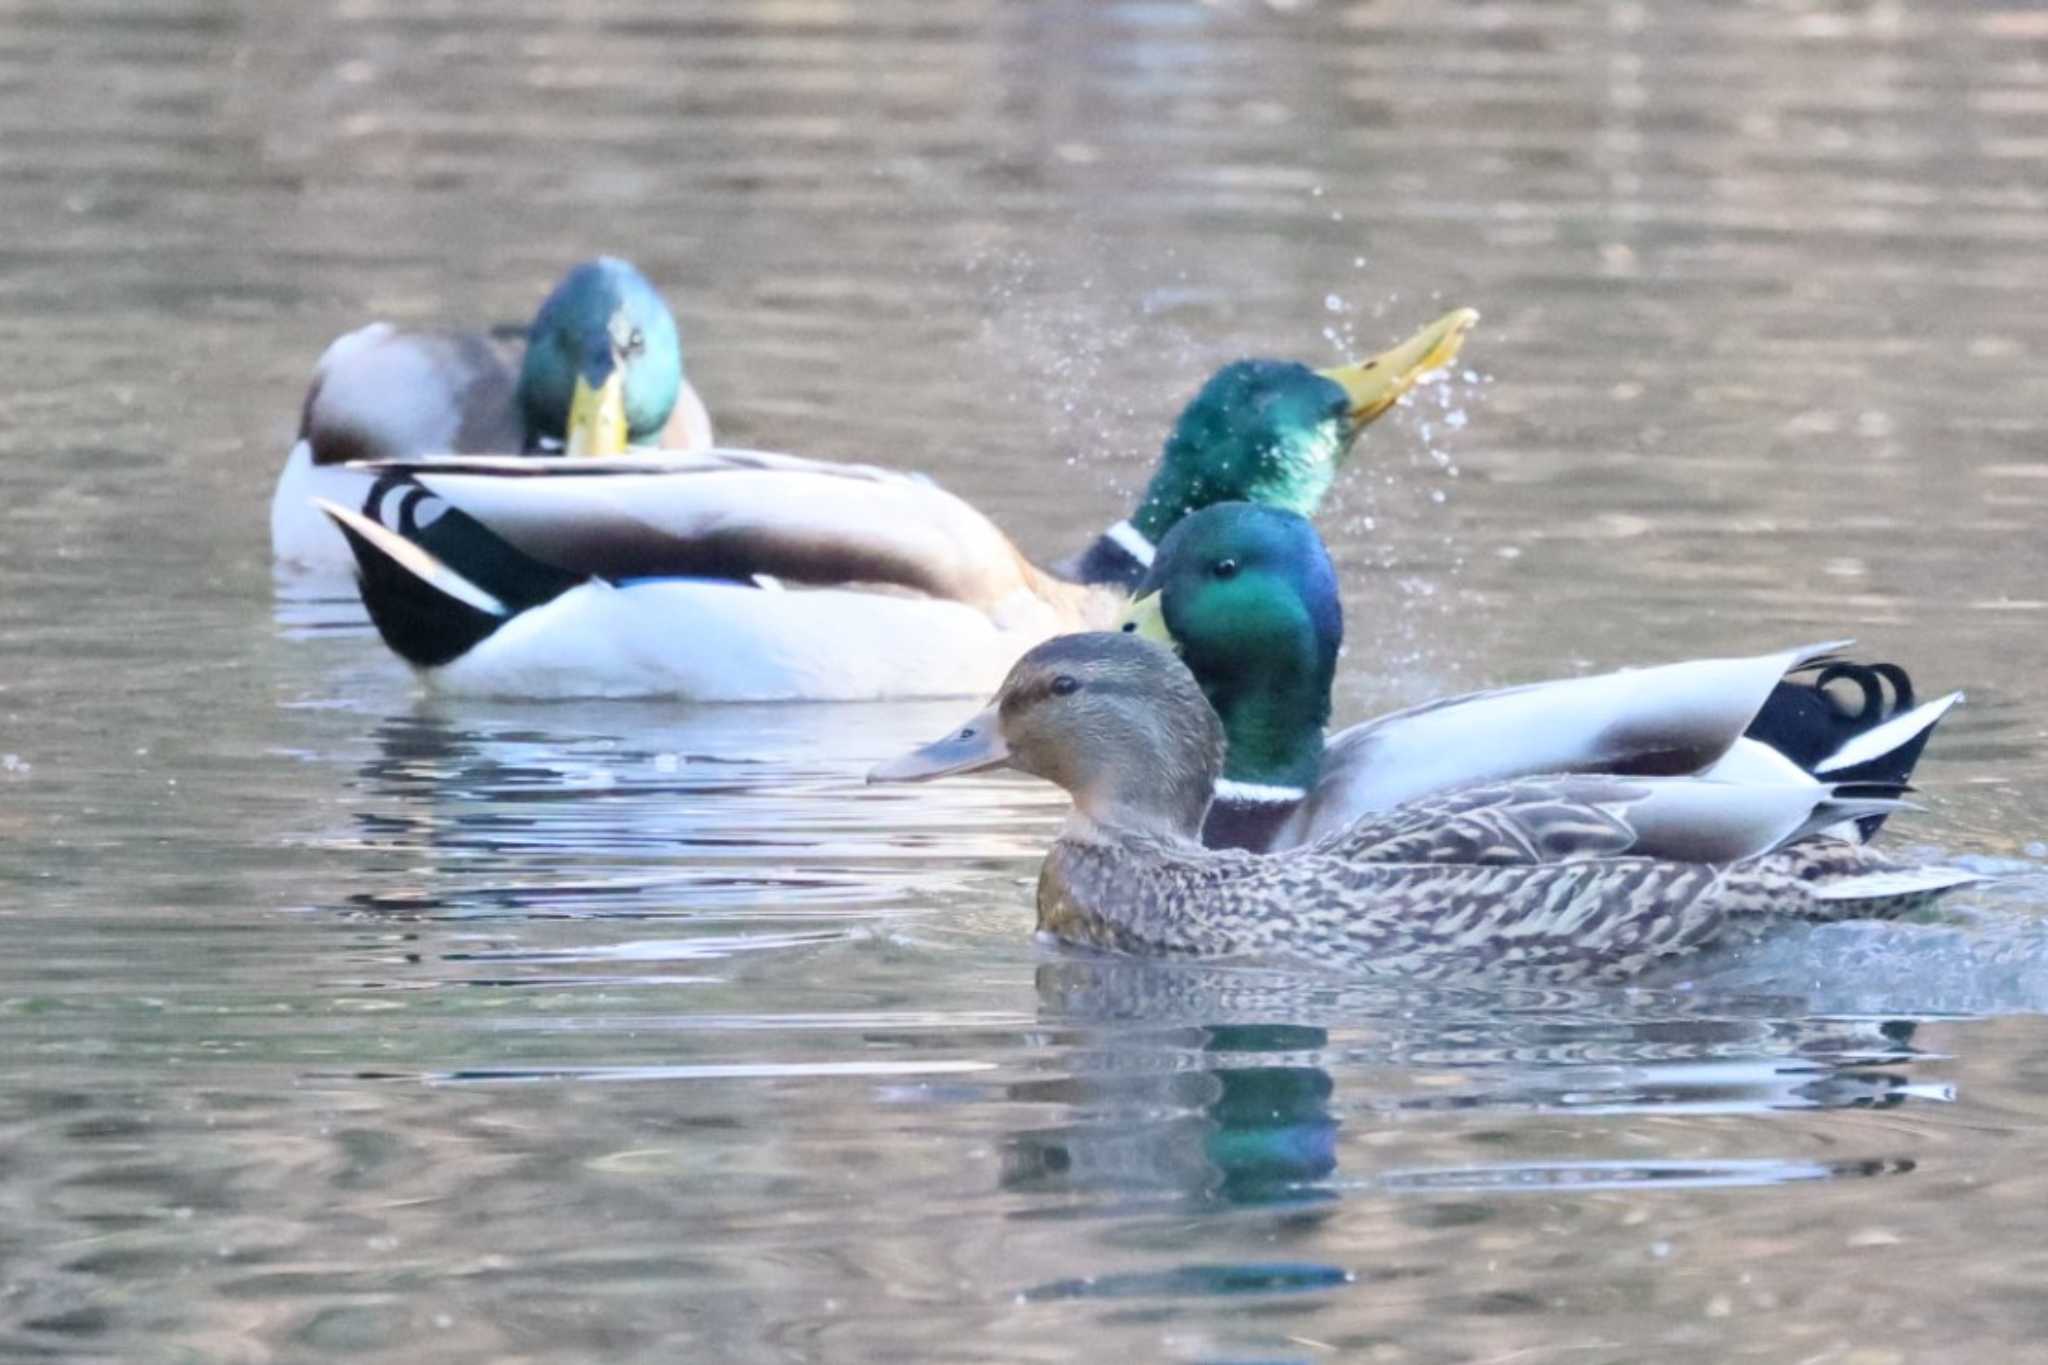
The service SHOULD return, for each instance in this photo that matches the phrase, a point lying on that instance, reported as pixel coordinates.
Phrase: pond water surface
(339, 1021)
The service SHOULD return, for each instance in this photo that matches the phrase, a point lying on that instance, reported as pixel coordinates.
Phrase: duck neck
(1276, 739)
(1275, 755)
(1121, 555)
(1170, 495)
(1151, 807)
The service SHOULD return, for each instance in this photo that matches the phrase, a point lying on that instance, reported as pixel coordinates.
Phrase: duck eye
(1225, 569)
(1130, 627)
(636, 342)
(1065, 685)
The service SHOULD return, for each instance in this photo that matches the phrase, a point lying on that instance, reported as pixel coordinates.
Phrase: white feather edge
(1256, 793)
(1908, 881)
(1893, 734)
(416, 561)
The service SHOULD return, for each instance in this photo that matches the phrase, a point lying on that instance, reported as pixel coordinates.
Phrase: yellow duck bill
(975, 746)
(1377, 383)
(597, 417)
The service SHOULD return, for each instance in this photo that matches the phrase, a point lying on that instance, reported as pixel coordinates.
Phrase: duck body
(712, 641)
(1338, 905)
(385, 393)
(730, 575)
(1563, 879)
(717, 578)
(1248, 597)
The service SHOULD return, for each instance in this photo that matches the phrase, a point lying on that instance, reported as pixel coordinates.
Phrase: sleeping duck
(599, 369)
(1248, 598)
(1561, 879)
(747, 576)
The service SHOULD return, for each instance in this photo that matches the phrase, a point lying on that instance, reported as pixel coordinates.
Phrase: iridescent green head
(1267, 431)
(1276, 432)
(1248, 596)
(603, 361)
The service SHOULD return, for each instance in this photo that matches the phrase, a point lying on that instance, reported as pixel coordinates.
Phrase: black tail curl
(1809, 720)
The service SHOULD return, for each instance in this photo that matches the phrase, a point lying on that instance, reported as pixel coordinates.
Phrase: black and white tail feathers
(435, 581)
(465, 545)
(1866, 730)
(427, 613)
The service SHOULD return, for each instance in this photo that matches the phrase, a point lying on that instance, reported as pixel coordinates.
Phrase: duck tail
(429, 614)
(399, 503)
(1874, 736)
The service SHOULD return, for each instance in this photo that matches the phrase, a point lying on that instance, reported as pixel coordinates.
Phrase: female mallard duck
(1248, 598)
(675, 577)
(601, 369)
(1561, 878)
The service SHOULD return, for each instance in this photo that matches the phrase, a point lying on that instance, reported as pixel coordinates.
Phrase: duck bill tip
(975, 747)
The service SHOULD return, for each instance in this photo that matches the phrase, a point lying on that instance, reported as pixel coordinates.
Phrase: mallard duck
(599, 368)
(1248, 597)
(745, 576)
(1565, 878)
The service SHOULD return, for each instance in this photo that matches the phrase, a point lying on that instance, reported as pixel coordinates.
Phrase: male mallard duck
(599, 368)
(1563, 878)
(1248, 598)
(673, 577)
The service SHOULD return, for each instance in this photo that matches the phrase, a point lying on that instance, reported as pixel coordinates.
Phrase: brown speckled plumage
(1552, 922)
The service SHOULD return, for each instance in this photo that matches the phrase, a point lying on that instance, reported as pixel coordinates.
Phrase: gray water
(337, 1021)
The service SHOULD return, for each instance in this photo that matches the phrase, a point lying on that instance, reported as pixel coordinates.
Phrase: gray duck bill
(973, 747)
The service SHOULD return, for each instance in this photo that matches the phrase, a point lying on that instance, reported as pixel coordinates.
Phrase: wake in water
(1988, 959)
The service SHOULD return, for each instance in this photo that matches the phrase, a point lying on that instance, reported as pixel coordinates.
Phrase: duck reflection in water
(1231, 1114)
(1201, 1086)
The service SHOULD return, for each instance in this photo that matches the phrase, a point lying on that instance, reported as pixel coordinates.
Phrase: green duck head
(1248, 597)
(603, 362)
(1277, 432)
(1116, 720)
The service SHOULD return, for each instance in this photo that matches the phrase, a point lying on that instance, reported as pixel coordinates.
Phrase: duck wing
(1575, 817)
(724, 514)
(1749, 720)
